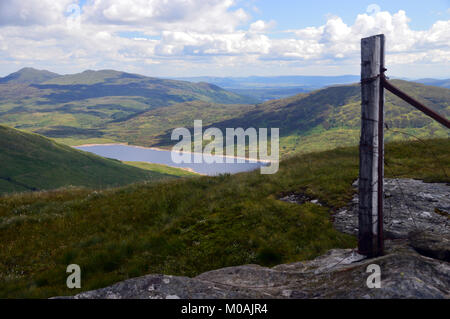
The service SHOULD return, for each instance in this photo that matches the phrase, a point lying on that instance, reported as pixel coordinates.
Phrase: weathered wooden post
(371, 166)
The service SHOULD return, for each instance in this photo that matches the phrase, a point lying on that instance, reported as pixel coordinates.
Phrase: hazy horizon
(217, 76)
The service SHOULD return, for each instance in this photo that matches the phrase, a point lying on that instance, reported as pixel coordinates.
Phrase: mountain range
(34, 99)
(312, 82)
(112, 106)
(445, 83)
(264, 88)
(314, 121)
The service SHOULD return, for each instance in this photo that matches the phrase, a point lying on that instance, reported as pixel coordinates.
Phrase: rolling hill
(32, 162)
(28, 76)
(155, 126)
(330, 117)
(111, 106)
(79, 105)
(315, 121)
(445, 83)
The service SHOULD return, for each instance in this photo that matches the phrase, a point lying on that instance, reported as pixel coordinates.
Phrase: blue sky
(223, 37)
(294, 14)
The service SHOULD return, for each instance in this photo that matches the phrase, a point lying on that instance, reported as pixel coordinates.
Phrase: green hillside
(163, 169)
(330, 117)
(155, 126)
(110, 106)
(189, 226)
(32, 162)
(315, 121)
(81, 105)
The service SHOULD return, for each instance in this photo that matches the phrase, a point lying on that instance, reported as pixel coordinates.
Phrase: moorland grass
(190, 225)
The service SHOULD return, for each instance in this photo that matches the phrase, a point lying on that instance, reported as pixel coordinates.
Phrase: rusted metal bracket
(396, 91)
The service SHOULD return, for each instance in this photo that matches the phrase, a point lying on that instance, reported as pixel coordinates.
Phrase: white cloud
(194, 36)
(336, 39)
(25, 13)
(189, 43)
(176, 15)
(261, 26)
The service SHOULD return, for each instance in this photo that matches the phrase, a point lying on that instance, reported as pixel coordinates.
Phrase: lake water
(141, 154)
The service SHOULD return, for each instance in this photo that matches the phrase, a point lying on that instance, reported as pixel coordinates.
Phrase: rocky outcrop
(433, 246)
(409, 206)
(341, 273)
(415, 264)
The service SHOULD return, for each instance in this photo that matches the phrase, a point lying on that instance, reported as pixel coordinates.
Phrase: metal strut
(396, 91)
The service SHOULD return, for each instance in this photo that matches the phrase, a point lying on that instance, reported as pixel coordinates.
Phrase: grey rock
(431, 245)
(163, 287)
(296, 198)
(340, 273)
(409, 205)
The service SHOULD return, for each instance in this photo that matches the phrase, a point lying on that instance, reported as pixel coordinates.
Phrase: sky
(181, 38)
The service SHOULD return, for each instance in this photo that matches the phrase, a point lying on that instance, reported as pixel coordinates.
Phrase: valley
(31, 162)
(110, 106)
(81, 106)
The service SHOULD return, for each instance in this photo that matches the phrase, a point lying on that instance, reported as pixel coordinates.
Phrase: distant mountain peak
(34, 70)
(101, 71)
(88, 77)
(28, 68)
(29, 75)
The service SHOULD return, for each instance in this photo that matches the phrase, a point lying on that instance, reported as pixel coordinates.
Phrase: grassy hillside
(154, 127)
(80, 105)
(330, 117)
(188, 226)
(32, 162)
(164, 169)
(110, 106)
(315, 121)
